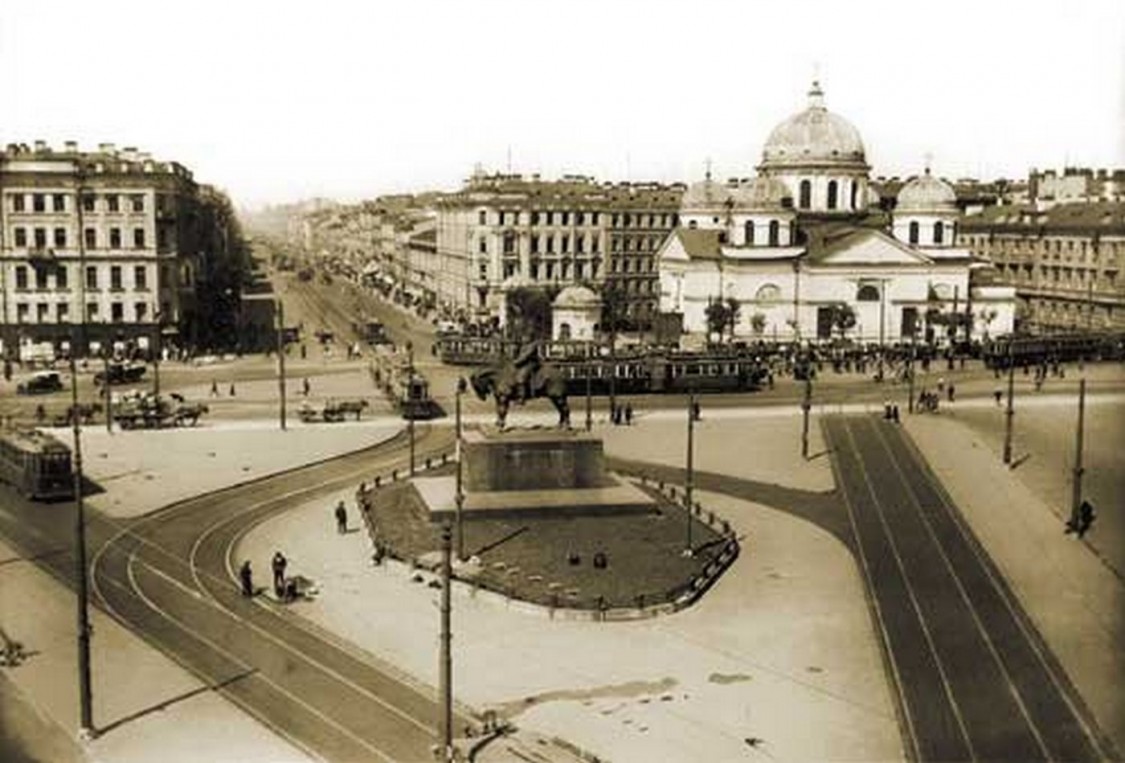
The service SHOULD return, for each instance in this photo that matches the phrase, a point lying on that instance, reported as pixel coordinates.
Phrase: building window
(62, 310)
(21, 312)
(17, 202)
(855, 193)
(60, 237)
(38, 202)
(805, 194)
(482, 217)
(939, 230)
(41, 312)
(91, 238)
(114, 238)
(535, 245)
(509, 242)
(914, 231)
(550, 244)
(867, 293)
(111, 202)
(594, 218)
(578, 218)
(91, 311)
(833, 188)
(162, 238)
(62, 280)
(41, 279)
(140, 278)
(91, 277)
(20, 236)
(138, 202)
(58, 201)
(580, 244)
(138, 238)
(535, 218)
(775, 233)
(749, 233)
(500, 217)
(117, 312)
(40, 238)
(21, 277)
(87, 202)
(595, 245)
(115, 278)
(564, 243)
(565, 218)
(483, 271)
(140, 312)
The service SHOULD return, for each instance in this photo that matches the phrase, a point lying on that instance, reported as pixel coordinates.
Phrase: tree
(758, 323)
(529, 313)
(717, 314)
(843, 318)
(734, 313)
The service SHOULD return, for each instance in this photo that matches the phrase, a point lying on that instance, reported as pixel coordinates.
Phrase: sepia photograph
(562, 382)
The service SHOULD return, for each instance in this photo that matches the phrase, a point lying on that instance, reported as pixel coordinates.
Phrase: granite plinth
(519, 460)
(614, 496)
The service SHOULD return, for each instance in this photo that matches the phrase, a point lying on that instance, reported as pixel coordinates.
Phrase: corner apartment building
(102, 238)
(1047, 188)
(501, 232)
(1064, 262)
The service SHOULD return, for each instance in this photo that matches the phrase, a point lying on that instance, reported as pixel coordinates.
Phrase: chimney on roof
(106, 148)
(40, 145)
(71, 146)
(129, 153)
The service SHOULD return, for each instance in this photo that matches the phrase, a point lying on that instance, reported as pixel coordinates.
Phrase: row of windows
(1069, 246)
(632, 265)
(58, 202)
(549, 270)
(939, 232)
(62, 312)
(62, 279)
(546, 244)
(59, 239)
(579, 218)
(805, 195)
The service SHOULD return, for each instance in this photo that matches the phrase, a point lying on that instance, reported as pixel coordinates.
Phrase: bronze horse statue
(505, 385)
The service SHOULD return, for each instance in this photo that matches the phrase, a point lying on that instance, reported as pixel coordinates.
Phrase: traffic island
(585, 542)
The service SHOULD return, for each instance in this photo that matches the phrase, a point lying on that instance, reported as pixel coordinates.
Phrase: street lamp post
(281, 361)
(445, 667)
(85, 694)
(1010, 412)
(806, 405)
(1076, 485)
(910, 372)
(689, 482)
(459, 496)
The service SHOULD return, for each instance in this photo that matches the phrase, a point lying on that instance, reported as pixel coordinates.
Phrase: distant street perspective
(798, 451)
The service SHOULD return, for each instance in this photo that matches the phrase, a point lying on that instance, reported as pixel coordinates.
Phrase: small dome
(705, 196)
(761, 193)
(926, 194)
(577, 297)
(814, 136)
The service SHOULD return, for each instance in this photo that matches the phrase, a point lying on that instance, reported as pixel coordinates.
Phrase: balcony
(41, 254)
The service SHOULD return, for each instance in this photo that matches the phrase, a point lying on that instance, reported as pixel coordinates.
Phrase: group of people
(621, 414)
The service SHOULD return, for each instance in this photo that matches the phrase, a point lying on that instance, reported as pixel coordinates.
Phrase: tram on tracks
(36, 464)
(1053, 348)
(408, 390)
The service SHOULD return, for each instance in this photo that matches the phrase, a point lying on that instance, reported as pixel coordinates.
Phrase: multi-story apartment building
(1047, 188)
(1064, 262)
(502, 232)
(109, 240)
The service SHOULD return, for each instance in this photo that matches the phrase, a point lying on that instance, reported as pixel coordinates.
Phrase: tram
(1053, 348)
(407, 389)
(36, 464)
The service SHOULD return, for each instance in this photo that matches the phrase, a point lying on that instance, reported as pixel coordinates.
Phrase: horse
(351, 406)
(501, 383)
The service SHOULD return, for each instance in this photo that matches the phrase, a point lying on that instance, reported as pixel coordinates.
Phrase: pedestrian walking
(949, 392)
(246, 576)
(305, 386)
(232, 389)
(998, 394)
(894, 413)
(628, 414)
(214, 388)
(279, 563)
(696, 412)
(341, 518)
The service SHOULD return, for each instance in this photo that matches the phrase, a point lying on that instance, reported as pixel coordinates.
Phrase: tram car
(36, 464)
(1051, 348)
(663, 373)
(408, 390)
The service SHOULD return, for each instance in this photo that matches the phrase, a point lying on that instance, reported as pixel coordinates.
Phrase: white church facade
(796, 242)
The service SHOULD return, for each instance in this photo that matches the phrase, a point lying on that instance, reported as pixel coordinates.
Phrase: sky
(280, 101)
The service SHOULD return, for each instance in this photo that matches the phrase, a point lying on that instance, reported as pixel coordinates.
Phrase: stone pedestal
(543, 473)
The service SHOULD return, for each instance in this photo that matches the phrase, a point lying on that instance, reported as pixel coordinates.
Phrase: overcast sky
(277, 101)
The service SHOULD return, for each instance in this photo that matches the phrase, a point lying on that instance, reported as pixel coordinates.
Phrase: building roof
(705, 196)
(1106, 217)
(832, 244)
(814, 136)
(700, 244)
(577, 296)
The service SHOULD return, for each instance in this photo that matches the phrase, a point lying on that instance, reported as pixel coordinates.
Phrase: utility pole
(158, 347)
(108, 393)
(459, 496)
(1076, 493)
(281, 360)
(446, 659)
(1009, 412)
(806, 404)
(85, 696)
(589, 404)
(910, 373)
(689, 483)
(407, 408)
(882, 324)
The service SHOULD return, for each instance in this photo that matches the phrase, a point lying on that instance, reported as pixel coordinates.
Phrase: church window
(768, 293)
(855, 191)
(867, 293)
(693, 225)
(914, 231)
(775, 233)
(939, 229)
(832, 190)
(806, 194)
(749, 233)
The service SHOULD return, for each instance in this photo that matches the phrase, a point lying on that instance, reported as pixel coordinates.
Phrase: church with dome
(804, 236)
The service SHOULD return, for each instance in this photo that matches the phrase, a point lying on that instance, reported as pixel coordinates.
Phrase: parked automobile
(121, 373)
(40, 383)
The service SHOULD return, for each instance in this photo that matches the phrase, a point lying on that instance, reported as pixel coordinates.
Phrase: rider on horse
(526, 364)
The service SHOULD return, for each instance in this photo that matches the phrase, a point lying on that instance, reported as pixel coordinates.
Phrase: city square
(791, 436)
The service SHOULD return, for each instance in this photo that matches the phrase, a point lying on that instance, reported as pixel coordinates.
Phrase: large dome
(926, 194)
(814, 137)
(760, 193)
